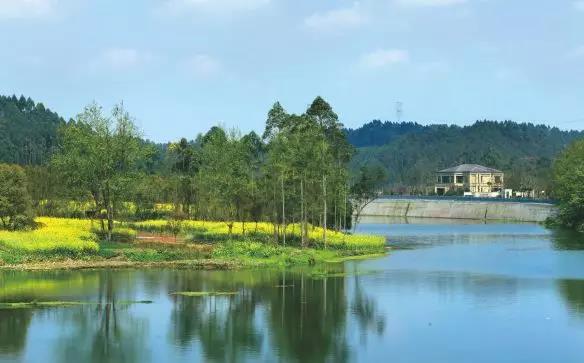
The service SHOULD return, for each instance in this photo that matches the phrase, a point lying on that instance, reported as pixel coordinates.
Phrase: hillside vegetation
(28, 131)
(411, 153)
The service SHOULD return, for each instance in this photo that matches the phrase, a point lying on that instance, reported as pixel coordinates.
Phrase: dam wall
(457, 209)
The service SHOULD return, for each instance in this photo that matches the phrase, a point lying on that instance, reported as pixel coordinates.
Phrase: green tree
(569, 185)
(15, 201)
(224, 176)
(98, 156)
(366, 189)
(186, 164)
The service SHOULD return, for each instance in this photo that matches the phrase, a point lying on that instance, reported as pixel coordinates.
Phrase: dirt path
(147, 237)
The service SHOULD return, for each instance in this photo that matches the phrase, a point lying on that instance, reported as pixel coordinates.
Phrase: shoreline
(200, 264)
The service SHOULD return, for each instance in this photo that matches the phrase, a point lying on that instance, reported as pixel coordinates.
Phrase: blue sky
(181, 66)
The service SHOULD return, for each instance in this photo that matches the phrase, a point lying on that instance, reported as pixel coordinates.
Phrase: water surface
(448, 292)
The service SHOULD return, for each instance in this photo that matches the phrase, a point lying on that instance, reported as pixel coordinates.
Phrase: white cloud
(385, 57)
(122, 59)
(218, 6)
(430, 3)
(579, 5)
(336, 19)
(203, 65)
(19, 9)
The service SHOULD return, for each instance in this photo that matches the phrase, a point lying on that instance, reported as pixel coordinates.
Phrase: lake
(450, 291)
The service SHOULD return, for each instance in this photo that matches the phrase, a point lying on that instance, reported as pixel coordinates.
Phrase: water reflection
(13, 331)
(224, 326)
(108, 331)
(573, 293)
(303, 319)
(563, 239)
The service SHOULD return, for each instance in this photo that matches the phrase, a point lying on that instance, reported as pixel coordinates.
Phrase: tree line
(294, 175)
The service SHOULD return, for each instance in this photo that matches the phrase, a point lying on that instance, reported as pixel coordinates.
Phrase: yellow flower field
(55, 235)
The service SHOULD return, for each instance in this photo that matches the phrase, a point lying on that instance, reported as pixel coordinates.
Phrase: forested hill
(28, 131)
(411, 153)
(377, 133)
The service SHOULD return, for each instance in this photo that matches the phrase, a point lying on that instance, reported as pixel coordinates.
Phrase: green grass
(271, 254)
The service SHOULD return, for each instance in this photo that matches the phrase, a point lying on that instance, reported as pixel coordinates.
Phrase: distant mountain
(28, 131)
(411, 153)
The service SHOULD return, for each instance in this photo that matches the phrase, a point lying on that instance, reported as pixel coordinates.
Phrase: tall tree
(335, 152)
(186, 164)
(97, 154)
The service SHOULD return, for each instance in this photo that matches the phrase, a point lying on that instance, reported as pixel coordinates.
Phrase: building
(470, 179)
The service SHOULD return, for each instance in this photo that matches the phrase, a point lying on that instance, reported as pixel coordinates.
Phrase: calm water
(449, 292)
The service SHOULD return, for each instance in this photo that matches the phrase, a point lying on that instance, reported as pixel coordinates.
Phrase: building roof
(470, 168)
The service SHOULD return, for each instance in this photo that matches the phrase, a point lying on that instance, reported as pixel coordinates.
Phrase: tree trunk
(302, 215)
(109, 211)
(230, 228)
(275, 218)
(325, 211)
(283, 211)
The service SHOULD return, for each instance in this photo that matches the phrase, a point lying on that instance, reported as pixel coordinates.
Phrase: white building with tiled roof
(470, 178)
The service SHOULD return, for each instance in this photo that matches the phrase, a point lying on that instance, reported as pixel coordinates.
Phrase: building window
(459, 179)
(446, 179)
(498, 179)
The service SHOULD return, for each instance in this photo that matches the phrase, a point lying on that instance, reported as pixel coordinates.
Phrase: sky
(182, 66)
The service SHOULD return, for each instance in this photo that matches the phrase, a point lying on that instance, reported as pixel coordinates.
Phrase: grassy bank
(73, 243)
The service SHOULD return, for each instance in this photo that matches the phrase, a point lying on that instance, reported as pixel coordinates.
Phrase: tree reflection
(365, 310)
(301, 314)
(573, 293)
(13, 330)
(107, 332)
(223, 325)
(565, 239)
(308, 318)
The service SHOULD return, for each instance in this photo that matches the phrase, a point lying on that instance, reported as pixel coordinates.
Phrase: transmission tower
(399, 110)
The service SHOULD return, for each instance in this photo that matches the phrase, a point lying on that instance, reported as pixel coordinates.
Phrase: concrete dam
(460, 209)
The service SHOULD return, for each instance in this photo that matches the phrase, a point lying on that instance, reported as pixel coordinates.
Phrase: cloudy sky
(181, 66)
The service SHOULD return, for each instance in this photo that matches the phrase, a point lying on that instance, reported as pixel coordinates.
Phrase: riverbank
(70, 244)
(204, 264)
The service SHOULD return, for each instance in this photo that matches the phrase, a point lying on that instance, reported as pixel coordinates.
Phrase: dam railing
(468, 199)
